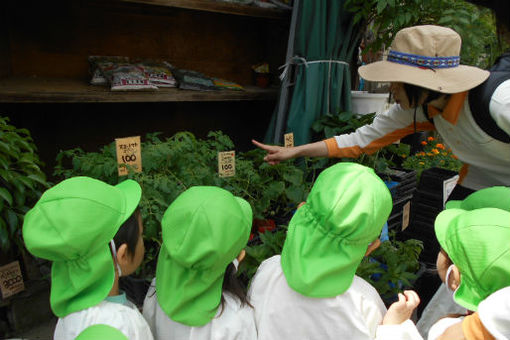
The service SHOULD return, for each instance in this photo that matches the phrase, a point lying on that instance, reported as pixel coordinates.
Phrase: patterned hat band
(423, 61)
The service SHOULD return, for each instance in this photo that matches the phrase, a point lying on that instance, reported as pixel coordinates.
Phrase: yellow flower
(430, 154)
(403, 155)
(421, 163)
(444, 153)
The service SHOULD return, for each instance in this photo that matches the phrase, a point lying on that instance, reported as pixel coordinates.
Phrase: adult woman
(430, 88)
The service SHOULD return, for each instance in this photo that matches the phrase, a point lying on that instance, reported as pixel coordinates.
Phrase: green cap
(493, 197)
(72, 225)
(329, 235)
(478, 243)
(204, 230)
(101, 332)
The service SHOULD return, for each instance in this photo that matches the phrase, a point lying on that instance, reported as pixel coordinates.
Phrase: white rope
(297, 60)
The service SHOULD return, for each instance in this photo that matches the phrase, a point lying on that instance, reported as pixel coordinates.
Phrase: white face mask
(236, 264)
(448, 272)
(114, 251)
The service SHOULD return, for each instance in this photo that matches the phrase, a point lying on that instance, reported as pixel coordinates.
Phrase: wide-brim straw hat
(427, 56)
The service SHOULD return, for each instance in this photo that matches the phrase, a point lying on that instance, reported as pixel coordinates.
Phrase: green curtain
(324, 31)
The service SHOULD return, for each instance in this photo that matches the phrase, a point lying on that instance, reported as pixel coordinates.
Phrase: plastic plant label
(11, 280)
(129, 152)
(227, 163)
(448, 186)
(405, 215)
(288, 140)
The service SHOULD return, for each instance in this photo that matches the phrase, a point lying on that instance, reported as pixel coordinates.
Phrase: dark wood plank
(62, 90)
(219, 7)
(53, 39)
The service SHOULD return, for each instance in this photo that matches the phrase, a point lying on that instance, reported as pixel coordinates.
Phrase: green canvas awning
(317, 76)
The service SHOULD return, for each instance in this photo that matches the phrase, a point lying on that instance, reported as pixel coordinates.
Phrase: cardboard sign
(288, 140)
(11, 280)
(227, 163)
(448, 186)
(406, 210)
(129, 151)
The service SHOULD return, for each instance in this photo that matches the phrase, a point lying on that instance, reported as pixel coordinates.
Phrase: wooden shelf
(219, 7)
(65, 90)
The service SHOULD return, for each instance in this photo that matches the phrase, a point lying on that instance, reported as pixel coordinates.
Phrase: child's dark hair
(129, 233)
(414, 94)
(233, 285)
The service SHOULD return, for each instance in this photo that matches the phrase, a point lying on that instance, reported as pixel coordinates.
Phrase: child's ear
(454, 278)
(241, 255)
(123, 255)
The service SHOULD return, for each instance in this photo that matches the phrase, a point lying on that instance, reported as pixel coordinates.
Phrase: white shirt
(127, 319)
(233, 322)
(488, 159)
(282, 313)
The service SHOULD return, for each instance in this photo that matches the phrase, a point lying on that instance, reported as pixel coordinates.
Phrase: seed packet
(159, 72)
(95, 71)
(226, 84)
(126, 77)
(193, 80)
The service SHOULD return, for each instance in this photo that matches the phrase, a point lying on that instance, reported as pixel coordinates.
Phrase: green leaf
(6, 196)
(381, 5)
(12, 220)
(5, 243)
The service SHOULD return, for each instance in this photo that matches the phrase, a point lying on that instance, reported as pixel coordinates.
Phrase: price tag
(448, 186)
(405, 215)
(129, 151)
(288, 140)
(11, 280)
(227, 163)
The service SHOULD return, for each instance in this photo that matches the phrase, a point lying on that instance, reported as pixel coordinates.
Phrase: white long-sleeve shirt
(232, 322)
(125, 318)
(487, 161)
(282, 313)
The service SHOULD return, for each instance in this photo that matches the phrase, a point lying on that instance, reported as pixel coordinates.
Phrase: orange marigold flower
(440, 146)
(441, 162)
(455, 157)
(435, 151)
(430, 139)
(423, 143)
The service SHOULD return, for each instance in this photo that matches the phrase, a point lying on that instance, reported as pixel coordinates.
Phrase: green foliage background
(476, 25)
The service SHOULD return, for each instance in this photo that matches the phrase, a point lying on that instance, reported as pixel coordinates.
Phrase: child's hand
(276, 154)
(402, 310)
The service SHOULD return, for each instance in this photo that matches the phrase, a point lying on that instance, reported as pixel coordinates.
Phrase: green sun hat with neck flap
(72, 225)
(203, 230)
(492, 197)
(329, 235)
(478, 243)
(101, 332)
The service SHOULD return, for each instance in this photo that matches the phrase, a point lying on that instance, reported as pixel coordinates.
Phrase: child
(442, 303)
(475, 256)
(195, 294)
(311, 290)
(93, 234)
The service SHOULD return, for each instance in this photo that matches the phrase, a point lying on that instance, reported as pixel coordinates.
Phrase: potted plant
(21, 184)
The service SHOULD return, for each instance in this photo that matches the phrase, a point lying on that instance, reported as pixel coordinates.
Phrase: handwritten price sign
(288, 140)
(227, 164)
(129, 152)
(11, 280)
